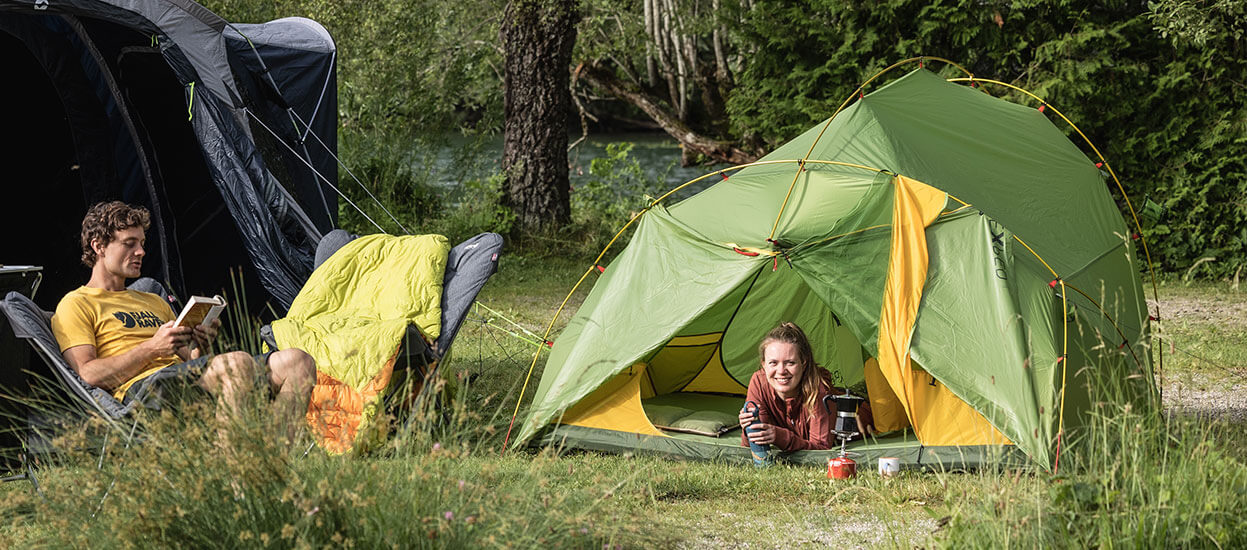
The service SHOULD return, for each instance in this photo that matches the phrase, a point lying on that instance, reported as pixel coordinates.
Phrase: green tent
(949, 253)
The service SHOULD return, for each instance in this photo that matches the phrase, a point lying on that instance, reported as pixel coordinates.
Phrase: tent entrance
(718, 351)
(99, 116)
(692, 387)
(44, 197)
(695, 383)
(190, 202)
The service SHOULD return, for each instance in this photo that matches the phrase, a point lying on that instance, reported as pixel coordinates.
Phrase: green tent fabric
(992, 325)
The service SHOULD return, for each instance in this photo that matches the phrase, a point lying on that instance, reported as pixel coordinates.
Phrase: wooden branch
(680, 100)
(693, 142)
(651, 74)
(722, 73)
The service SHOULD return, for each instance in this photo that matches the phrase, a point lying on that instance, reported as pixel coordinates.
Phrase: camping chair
(31, 323)
(468, 266)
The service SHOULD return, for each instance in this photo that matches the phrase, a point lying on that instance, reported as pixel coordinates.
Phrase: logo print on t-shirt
(133, 319)
(125, 319)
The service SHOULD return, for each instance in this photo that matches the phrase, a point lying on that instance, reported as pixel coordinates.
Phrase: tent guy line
(357, 181)
(320, 176)
(295, 120)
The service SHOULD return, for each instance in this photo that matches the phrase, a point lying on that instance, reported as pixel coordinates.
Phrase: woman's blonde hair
(811, 375)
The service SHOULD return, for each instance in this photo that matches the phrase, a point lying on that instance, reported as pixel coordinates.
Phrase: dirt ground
(1231, 311)
(1221, 391)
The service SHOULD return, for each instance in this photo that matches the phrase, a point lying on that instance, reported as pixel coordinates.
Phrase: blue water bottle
(761, 453)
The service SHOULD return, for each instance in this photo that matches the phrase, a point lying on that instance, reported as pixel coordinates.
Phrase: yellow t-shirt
(114, 321)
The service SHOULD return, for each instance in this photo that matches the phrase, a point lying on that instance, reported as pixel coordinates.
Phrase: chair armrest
(267, 336)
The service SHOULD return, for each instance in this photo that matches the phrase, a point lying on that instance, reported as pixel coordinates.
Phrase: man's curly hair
(105, 219)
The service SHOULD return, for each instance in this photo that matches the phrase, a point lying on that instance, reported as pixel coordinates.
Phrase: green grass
(1133, 480)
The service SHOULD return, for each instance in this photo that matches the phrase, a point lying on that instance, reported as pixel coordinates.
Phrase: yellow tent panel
(616, 405)
(680, 362)
(887, 409)
(941, 418)
(714, 378)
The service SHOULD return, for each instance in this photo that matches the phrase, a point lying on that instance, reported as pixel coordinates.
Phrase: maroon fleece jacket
(795, 430)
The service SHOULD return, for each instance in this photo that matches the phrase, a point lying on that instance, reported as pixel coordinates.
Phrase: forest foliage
(1158, 87)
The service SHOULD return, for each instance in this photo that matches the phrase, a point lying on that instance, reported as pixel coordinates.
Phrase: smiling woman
(788, 392)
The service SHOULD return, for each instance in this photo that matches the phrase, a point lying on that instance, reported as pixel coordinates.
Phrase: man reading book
(116, 338)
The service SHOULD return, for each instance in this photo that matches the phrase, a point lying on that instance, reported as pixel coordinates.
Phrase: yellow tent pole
(845, 164)
(1121, 188)
(1060, 432)
(827, 124)
(699, 178)
(1037, 256)
(1094, 149)
(1064, 346)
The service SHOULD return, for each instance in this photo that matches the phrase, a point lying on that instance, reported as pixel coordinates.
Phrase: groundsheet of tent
(951, 254)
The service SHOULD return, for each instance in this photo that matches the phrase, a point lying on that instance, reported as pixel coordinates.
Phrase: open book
(200, 310)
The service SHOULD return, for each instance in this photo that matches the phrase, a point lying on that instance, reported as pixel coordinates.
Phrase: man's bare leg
(232, 377)
(292, 372)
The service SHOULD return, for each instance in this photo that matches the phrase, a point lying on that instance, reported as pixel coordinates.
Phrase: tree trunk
(537, 37)
(693, 142)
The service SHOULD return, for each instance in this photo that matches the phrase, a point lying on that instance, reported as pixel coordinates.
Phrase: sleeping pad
(351, 316)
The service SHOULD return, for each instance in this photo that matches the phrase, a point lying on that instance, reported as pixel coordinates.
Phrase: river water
(465, 159)
(658, 155)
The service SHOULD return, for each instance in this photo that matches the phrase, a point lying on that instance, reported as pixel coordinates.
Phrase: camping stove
(845, 428)
(841, 467)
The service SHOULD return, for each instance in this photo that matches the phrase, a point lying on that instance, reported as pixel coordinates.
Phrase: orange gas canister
(841, 467)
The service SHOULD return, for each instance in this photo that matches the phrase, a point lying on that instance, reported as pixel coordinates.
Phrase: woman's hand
(762, 434)
(746, 418)
(866, 429)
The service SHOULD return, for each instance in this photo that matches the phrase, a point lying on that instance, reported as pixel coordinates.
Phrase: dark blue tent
(225, 132)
